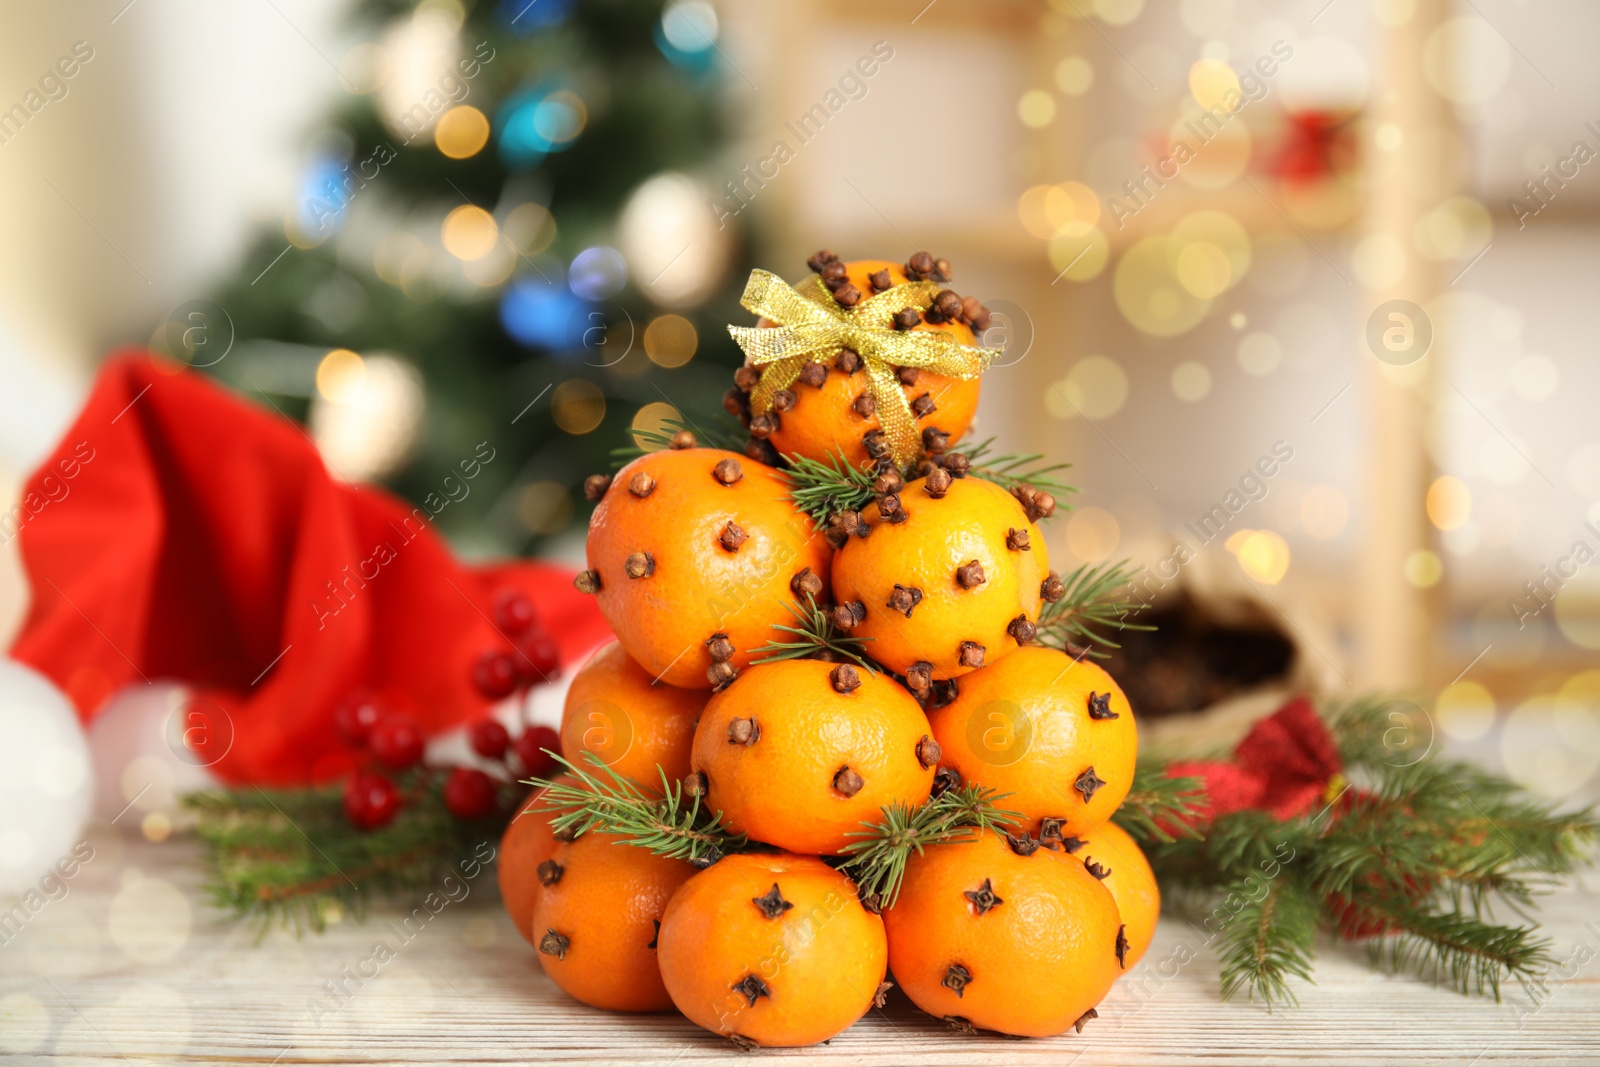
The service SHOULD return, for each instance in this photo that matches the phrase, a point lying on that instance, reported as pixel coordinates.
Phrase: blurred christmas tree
(499, 238)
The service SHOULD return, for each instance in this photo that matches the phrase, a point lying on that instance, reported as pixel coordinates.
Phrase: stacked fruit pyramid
(830, 751)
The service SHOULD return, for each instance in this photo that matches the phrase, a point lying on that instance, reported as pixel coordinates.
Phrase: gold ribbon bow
(812, 327)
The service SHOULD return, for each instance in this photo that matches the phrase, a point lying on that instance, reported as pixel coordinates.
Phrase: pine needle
(816, 633)
(1267, 940)
(721, 432)
(1094, 601)
(1473, 957)
(823, 488)
(1017, 468)
(291, 858)
(878, 859)
(1160, 808)
(665, 824)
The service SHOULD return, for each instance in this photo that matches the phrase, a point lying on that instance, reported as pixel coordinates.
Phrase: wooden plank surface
(131, 967)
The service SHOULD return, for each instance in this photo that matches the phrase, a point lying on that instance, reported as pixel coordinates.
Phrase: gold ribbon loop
(812, 326)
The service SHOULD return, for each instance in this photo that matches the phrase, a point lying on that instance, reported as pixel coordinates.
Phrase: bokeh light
(1191, 381)
(653, 418)
(597, 273)
(1423, 568)
(461, 132)
(578, 406)
(1259, 354)
(1148, 293)
(339, 375)
(469, 232)
(1080, 258)
(530, 228)
(1092, 534)
(1263, 555)
(544, 507)
(1325, 512)
(1096, 388)
(544, 314)
(1551, 745)
(364, 68)
(1449, 502)
(1036, 108)
(1074, 75)
(1464, 710)
(670, 340)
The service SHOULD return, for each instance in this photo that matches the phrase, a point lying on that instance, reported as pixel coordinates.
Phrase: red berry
(539, 659)
(513, 612)
(354, 719)
(489, 739)
(370, 800)
(495, 674)
(469, 793)
(396, 741)
(530, 746)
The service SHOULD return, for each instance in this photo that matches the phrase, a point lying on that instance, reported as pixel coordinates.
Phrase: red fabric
(1282, 766)
(179, 532)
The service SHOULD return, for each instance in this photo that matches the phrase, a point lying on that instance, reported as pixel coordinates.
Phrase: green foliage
(1094, 602)
(1158, 808)
(290, 857)
(1015, 469)
(1268, 940)
(669, 824)
(1413, 853)
(877, 859)
(823, 488)
(814, 632)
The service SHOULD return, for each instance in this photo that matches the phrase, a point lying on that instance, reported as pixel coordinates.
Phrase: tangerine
(527, 843)
(772, 949)
(1110, 849)
(829, 409)
(693, 555)
(799, 753)
(1053, 732)
(597, 917)
(1003, 936)
(946, 578)
(637, 726)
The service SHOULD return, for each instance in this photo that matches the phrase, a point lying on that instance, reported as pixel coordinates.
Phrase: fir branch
(1471, 955)
(816, 633)
(1015, 469)
(291, 858)
(1093, 601)
(823, 488)
(663, 823)
(721, 432)
(877, 861)
(1268, 940)
(1160, 808)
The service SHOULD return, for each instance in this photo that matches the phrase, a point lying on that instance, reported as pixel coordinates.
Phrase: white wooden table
(132, 967)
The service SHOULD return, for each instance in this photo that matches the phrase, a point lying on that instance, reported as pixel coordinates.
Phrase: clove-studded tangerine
(1003, 936)
(596, 919)
(943, 582)
(690, 601)
(830, 409)
(1054, 733)
(526, 845)
(772, 949)
(1113, 856)
(799, 753)
(627, 720)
